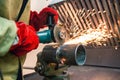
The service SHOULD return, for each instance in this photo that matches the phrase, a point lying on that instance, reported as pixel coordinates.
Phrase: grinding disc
(60, 34)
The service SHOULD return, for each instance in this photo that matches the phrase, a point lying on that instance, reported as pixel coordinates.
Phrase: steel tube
(73, 53)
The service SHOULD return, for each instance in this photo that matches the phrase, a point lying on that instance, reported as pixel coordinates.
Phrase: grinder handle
(51, 24)
(50, 21)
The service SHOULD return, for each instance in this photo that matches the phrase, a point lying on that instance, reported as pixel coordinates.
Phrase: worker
(18, 28)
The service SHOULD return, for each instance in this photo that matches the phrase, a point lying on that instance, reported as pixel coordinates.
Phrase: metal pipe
(73, 53)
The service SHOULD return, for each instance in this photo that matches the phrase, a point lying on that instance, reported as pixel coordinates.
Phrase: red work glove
(28, 39)
(38, 20)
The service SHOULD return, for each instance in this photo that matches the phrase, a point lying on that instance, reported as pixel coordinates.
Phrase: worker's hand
(38, 20)
(27, 39)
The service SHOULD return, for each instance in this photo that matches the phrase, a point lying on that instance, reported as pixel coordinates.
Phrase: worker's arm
(26, 36)
(27, 39)
(8, 31)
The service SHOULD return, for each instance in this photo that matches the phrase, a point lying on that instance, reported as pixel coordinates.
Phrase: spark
(98, 36)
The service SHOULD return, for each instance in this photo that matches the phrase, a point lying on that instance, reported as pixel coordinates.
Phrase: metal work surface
(103, 56)
(94, 73)
(85, 73)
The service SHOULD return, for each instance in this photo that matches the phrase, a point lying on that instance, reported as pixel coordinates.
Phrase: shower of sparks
(98, 36)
